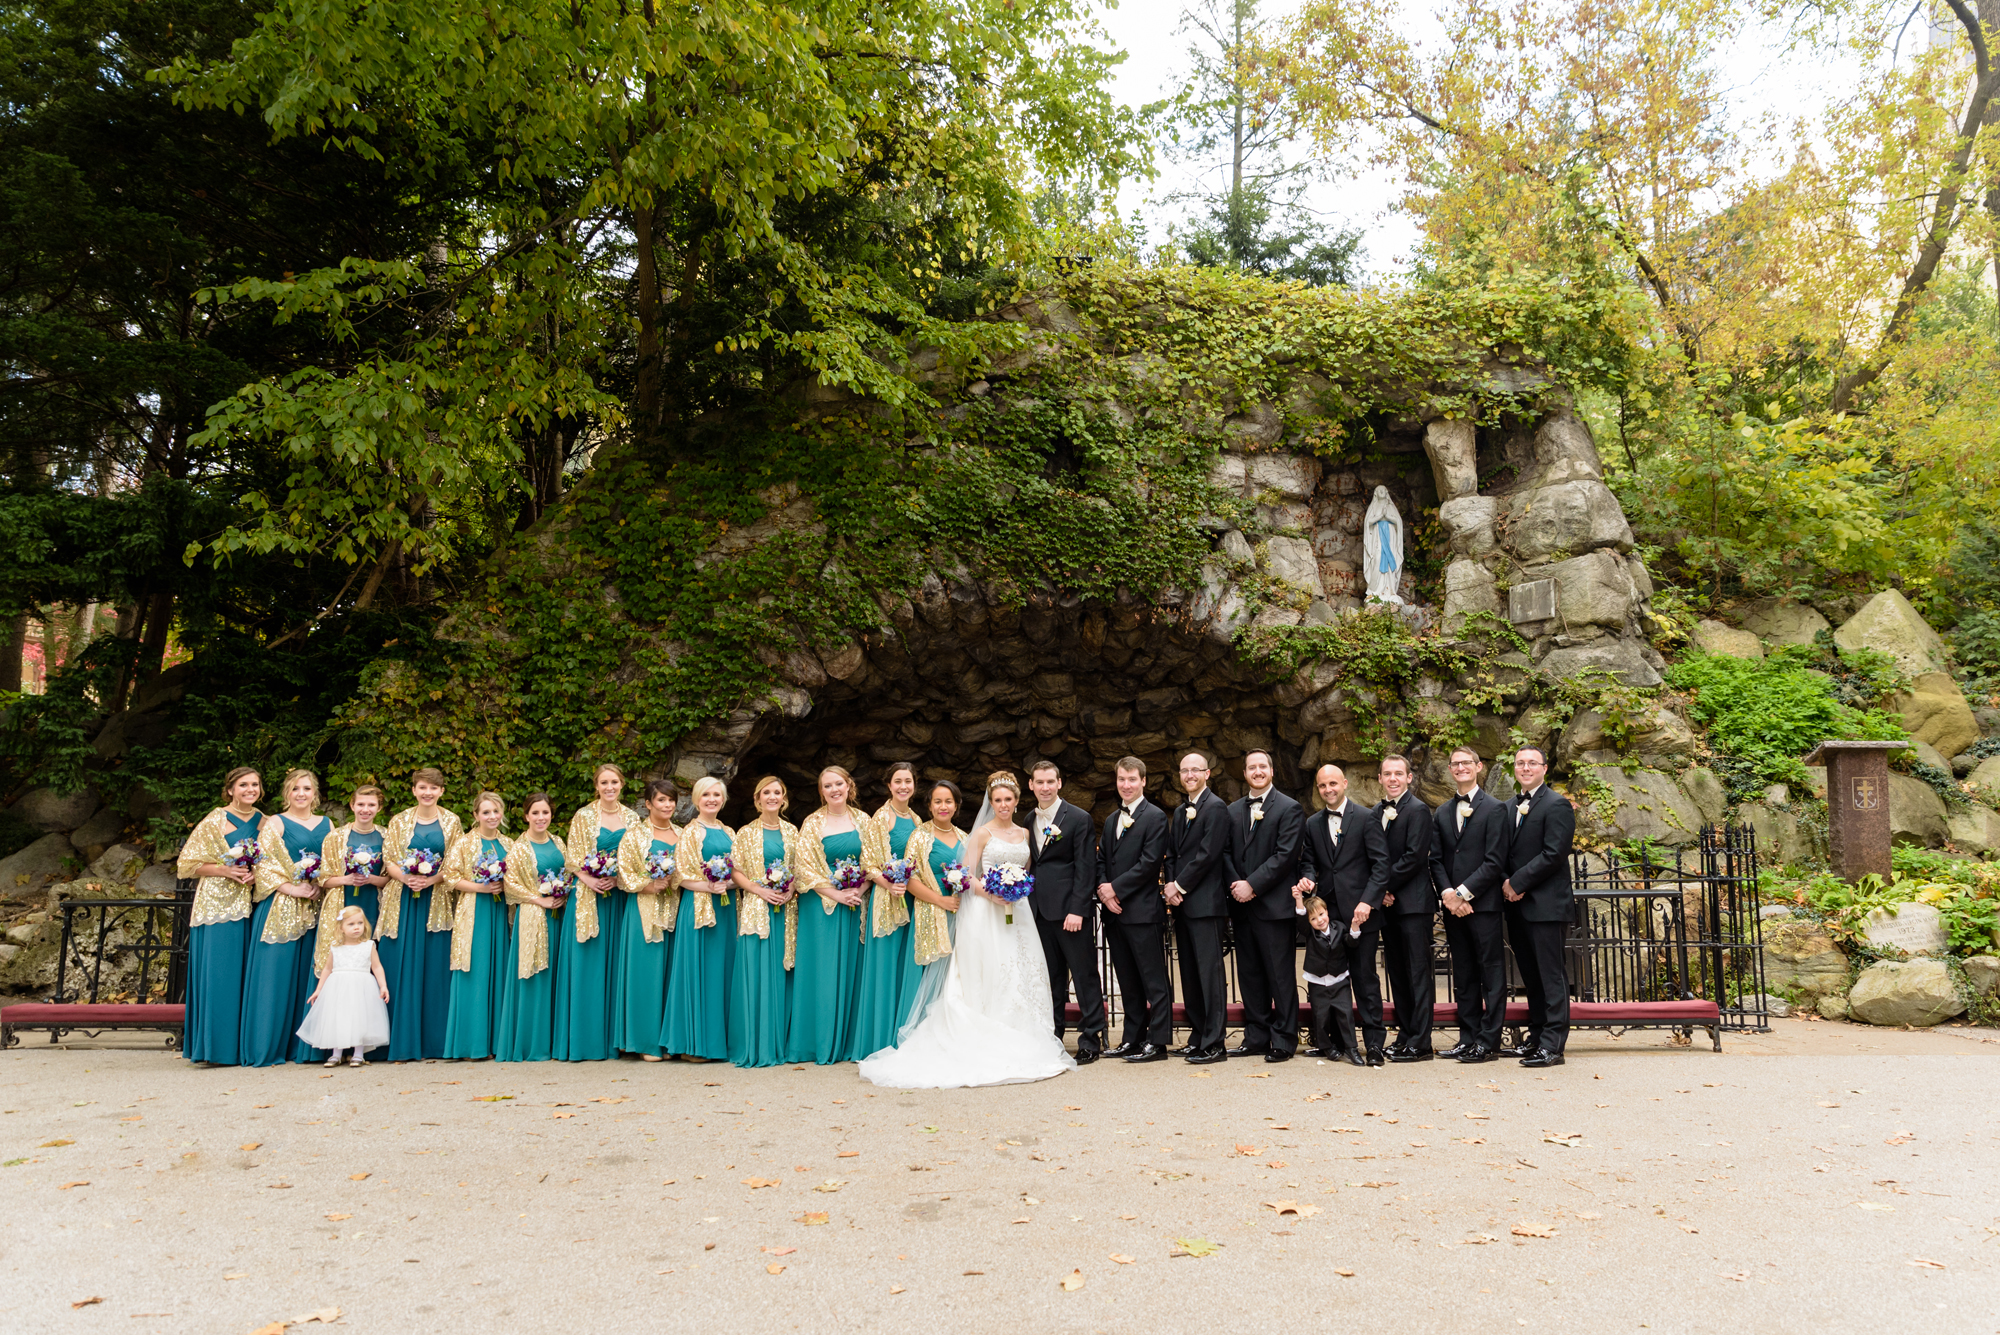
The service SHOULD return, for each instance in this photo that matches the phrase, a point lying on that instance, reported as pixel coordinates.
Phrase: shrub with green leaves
(1770, 712)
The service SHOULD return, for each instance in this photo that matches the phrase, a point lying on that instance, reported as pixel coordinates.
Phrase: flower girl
(349, 1009)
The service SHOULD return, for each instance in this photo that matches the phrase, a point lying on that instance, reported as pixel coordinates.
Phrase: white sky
(1764, 81)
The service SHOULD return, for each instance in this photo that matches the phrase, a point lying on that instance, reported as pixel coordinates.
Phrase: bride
(989, 1023)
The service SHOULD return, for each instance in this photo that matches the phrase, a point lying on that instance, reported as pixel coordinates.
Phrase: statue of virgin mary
(1382, 548)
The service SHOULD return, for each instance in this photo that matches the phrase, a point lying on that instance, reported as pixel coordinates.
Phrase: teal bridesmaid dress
(367, 897)
(436, 1012)
(889, 974)
(527, 1005)
(583, 973)
(639, 984)
(828, 969)
(280, 977)
(218, 959)
(475, 992)
(760, 994)
(697, 1021)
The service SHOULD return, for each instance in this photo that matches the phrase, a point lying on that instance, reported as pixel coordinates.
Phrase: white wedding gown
(990, 1025)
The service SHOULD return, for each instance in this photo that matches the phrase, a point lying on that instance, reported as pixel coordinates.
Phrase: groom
(1062, 855)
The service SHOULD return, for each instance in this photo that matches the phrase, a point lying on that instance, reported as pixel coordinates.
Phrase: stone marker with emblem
(1857, 804)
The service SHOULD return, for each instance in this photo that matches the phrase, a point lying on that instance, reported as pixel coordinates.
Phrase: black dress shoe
(1085, 1056)
(1276, 1056)
(1152, 1052)
(1409, 1055)
(1457, 1050)
(1375, 1057)
(1122, 1050)
(1542, 1058)
(1476, 1052)
(1207, 1057)
(1513, 1050)
(1184, 1050)
(1245, 1050)
(1354, 1057)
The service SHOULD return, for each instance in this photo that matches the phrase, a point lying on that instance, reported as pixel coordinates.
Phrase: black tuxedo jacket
(1266, 854)
(1472, 854)
(1327, 956)
(1131, 863)
(1407, 844)
(1198, 856)
(1065, 868)
(1538, 856)
(1351, 870)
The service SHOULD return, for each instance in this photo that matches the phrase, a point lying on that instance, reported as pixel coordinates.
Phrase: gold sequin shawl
(932, 936)
(531, 919)
(216, 898)
(892, 907)
(582, 842)
(753, 912)
(656, 910)
(395, 843)
(291, 917)
(809, 866)
(460, 861)
(687, 865)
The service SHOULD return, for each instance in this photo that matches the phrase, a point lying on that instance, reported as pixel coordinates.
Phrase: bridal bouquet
(1009, 884)
(243, 853)
(364, 861)
(660, 864)
(602, 865)
(489, 871)
(847, 875)
(554, 885)
(420, 862)
(896, 871)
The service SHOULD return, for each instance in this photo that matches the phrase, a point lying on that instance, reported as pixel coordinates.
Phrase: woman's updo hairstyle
(1001, 778)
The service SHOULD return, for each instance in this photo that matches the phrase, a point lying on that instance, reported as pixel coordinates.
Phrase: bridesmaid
(586, 929)
(760, 993)
(475, 872)
(646, 868)
(837, 848)
(537, 862)
(222, 852)
(351, 873)
(280, 976)
(697, 1022)
(936, 851)
(414, 941)
(888, 977)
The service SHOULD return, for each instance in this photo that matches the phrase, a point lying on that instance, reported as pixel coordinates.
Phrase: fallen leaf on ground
(276, 1327)
(67, 1185)
(265, 1105)
(1740, 1276)
(86, 1302)
(1128, 1216)
(1072, 1281)
(895, 1288)
(1201, 1075)
(336, 1218)
(1531, 1231)
(1354, 1129)
(277, 1186)
(236, 1274)
(1275, 1163)
(1374, 1184)
(778, 1251)
(830, 1185)
(973, 1272)
(849, 1154)
(1261, 1075)
(253, 1145)
(755, 1182)
(1022, 1220)
(1689, 1228)
(1568, 1139)
(1343, 1273)
(1918, 1261)
(1824, 1104)
(1246, 1150)
(1281, 1126)
(1479, 1240)
(610, 1098)
(1900, 1138)
(1469, 1140)
(811, 1217)
(1072, 1107)
(1122, 1259)
(714, 1084)
(1292, 1207)
(774, 1269)
(357, 1177)
(1196, 1247)
(493, 1098)
(326, 1316)
(54, 1144)
(1315, 1098)
(1588, 1214)
(1420, 1144)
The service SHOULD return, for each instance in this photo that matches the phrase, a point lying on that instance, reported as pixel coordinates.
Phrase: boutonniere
(1052, 835)
(1388, 814)
(1124, 821)
(1256, 815)
(1465, 811)
(1190, 812)
(1521, 807)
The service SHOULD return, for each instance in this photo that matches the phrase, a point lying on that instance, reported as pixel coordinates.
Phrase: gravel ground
(1822, 1177)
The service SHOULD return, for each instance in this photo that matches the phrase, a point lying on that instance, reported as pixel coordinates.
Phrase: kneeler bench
(1689, 1015)
(60, 1018)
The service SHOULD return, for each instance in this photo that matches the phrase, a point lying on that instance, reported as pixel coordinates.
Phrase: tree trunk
(16, 638)
(374, 583)
(153, 649)
(646, 279)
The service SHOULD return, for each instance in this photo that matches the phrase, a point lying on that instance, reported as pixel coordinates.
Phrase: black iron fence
(124, 950)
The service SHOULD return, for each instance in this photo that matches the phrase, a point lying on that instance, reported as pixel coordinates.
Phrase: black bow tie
(1256, 801)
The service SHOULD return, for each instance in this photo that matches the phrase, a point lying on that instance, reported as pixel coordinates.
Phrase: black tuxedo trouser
(1145, 990)
(1478, 975)
(1332, 1017)
(1367, 982)
(1406, 940)
(1073, 956)
(1267, 975)
(1204, 990)
(1538, 953)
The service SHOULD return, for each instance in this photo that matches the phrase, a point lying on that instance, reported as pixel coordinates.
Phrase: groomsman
(1409, 906)
(1467, 865)
(1346, 863)
(1540, 904)
(1197, 890)
(1265, 831)
(1129, 854)
(1062, 854)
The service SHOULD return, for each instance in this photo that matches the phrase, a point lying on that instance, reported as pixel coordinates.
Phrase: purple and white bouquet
(1009, 883)
(489, 871)
(660, 864)
(955, 879)
(602, 865)
(716, 870)
(308, 865)
(421, 862)
(896, 871)
(364, 861)
(778, 878)
(847, 875)
(243, 853)
(554, 885)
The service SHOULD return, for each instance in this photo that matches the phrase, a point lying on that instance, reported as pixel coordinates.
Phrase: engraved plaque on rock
(1533, 601)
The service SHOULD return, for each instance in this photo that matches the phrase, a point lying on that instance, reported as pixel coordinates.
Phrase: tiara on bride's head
(1003, 778)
